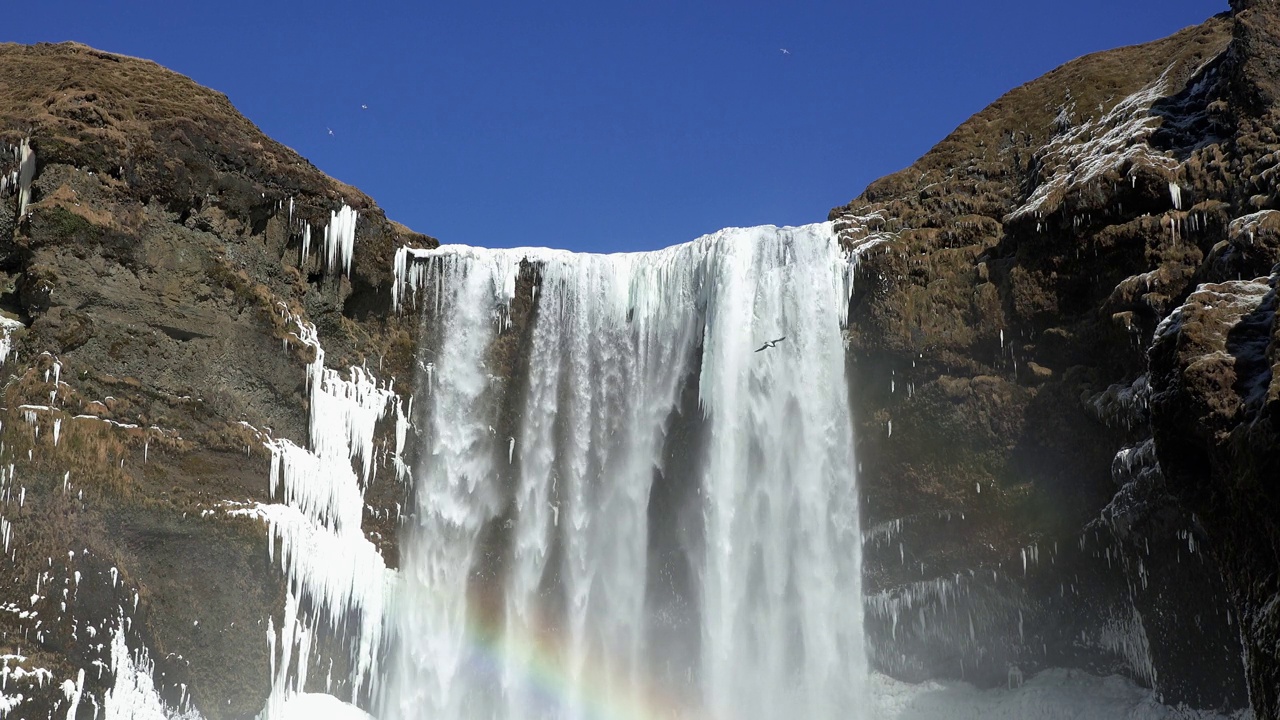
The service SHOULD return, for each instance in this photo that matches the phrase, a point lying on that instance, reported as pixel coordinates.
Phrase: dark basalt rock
(1216, 407)
(1012, 281)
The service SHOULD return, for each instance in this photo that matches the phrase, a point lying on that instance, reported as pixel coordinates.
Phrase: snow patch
(310, 706)
(1115, 141)
(1246, 226)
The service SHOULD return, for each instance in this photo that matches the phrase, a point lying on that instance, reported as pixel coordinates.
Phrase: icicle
(26, 172)
(339, 240)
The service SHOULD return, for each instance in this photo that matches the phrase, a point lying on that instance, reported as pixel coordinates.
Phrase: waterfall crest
(634, 513)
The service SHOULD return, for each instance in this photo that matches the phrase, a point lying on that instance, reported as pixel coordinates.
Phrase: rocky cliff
(155, 296)
(1068, 449)
(1062, 340)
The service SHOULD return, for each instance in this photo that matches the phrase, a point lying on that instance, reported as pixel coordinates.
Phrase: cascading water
(635, 514)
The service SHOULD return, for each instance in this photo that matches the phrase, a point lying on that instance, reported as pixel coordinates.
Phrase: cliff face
(155, 291)
(1033, 466)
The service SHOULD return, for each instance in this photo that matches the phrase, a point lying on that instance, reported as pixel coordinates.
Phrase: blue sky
(602, 126)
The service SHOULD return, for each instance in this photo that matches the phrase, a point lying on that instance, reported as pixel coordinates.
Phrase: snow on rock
(9, 702)
(863, 232)
(133, 695)
(1123, 405)
(11, 696)
(1233, 299)
(1243, 229)
(7, 327)
(1117, 141)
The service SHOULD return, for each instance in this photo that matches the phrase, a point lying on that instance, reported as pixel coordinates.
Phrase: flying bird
(330, 131)
(785, 51)
(771, 344)
(363, 106)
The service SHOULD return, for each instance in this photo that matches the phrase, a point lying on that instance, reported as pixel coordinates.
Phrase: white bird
(785, 51)
(771, 343)
(363, 106)
(330, 130)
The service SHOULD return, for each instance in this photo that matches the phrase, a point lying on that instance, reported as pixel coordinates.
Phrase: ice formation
(340, 239)
(7, 327)
(316, 536)
(1245, 226)
(1127, 636)
(133, 695)
(1115, 141)
(26, 172)
(763, 626)
(306, 242)
(337, 247)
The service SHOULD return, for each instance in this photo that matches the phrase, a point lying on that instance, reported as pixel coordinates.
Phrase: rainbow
(538, 659)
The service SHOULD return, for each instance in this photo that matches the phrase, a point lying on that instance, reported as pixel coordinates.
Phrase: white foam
(1051, 695)
(611, 339)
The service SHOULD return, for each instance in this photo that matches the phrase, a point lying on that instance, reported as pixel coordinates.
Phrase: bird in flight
(364, 107)
(771, 343)
(785, 51)
(330, 131)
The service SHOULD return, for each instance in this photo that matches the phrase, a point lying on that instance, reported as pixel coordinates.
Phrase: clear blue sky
(602, 125)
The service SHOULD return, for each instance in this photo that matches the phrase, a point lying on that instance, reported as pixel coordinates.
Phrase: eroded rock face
(1216, 412)
(155, 284)
(1022, 511)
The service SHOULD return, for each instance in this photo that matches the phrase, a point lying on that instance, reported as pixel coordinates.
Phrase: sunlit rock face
(649, 509)
(1023, 505)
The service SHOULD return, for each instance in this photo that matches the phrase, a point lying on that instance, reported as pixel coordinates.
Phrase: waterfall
(622, 509)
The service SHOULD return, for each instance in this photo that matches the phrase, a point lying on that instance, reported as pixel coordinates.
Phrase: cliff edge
(1049, 455)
